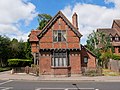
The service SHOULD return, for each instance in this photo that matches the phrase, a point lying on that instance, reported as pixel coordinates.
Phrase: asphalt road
(58, 85)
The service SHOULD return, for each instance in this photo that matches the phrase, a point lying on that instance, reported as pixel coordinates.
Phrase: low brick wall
(27, 70)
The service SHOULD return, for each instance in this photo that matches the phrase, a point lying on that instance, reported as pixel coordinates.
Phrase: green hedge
(19, 62)
(4, 69)
(116, 57)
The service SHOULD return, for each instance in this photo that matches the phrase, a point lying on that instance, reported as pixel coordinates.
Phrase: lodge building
(57, 49)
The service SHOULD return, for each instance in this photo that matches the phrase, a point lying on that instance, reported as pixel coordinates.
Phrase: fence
(114, 65)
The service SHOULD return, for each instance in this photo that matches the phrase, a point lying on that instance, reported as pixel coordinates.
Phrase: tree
(28, 54)
(4, 50)
(105, 57)
(43, 20)
(14, 48)
(21, 50)
(100, 45)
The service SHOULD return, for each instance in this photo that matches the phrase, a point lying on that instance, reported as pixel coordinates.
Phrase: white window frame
(56, 35)
(59, 60)
(85, 59)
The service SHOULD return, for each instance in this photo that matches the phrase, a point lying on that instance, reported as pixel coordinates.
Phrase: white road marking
(6, 88)
(65, 89)
(6, 82)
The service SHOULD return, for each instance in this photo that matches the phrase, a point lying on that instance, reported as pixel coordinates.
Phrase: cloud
(116, 2)
(91, 17)
(13, 12)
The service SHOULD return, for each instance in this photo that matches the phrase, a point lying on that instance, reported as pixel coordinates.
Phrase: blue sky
(18, 21)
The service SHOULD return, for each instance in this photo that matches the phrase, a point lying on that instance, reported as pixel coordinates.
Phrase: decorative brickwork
(58, 45)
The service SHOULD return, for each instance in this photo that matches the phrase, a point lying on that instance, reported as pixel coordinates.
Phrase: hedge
(19, 62)
(116, 57)
(4, 69)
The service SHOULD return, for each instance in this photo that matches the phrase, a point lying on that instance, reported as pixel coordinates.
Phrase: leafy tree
(100, 45)
(21, 50)
(28, 54)
(105, 57)
(14, 48)
(43, 20)
(4, 50)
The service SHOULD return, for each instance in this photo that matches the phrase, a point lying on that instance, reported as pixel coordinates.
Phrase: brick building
(114, 34)
(57, 49)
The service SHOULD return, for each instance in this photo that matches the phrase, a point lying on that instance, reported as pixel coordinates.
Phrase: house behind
(114, 34)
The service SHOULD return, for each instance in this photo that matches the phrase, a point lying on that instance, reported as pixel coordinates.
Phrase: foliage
(13, 49)
(105, 57)
(100, 45)
(43, 20)
(91, 73)
(116, 57)
(20, 49)
(19, 62)
(27, 50)
(4, 69)
(5, 50)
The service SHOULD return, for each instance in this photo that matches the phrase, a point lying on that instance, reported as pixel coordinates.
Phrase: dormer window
(111, 38)
(116, 38)
(59, 35)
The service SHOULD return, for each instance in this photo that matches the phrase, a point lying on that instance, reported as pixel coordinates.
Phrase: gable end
(59, 14)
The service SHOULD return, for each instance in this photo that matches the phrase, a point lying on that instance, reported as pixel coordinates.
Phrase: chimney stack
(74, 21)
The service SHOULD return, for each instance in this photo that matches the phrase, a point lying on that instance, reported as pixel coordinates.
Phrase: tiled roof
(33, 35)
(113, 31)
(88, 50)
(108, 31)
(117, 22)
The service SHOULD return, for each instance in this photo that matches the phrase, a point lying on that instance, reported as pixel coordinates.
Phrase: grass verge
(107, 72)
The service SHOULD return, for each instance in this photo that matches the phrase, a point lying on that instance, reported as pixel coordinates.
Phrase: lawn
(107, 72)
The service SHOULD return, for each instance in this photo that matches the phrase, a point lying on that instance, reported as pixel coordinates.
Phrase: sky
(19, 17)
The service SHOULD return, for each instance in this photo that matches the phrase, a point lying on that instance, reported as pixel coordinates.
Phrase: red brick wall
(34, 47)
(47, 40)
(73, 68)
(116, 50)
(91, 59)
(60, 70)
(45, 63)
(75, 62)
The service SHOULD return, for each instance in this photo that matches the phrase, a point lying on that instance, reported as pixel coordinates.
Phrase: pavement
(23, 76)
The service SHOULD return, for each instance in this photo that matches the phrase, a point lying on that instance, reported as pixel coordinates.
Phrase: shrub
(19, 62)
(4, 69)
(90, 73)
(116, 57)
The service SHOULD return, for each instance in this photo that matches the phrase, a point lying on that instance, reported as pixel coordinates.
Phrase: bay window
(59, 59)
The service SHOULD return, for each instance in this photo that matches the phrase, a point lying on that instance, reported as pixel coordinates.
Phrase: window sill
(60, 67)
